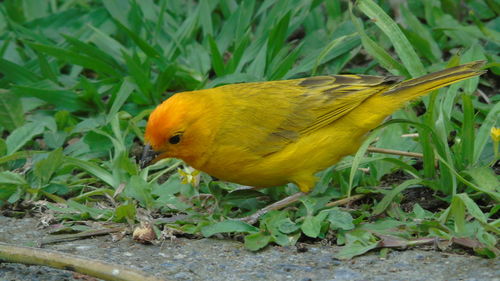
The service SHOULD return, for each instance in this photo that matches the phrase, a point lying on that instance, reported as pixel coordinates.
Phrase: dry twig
(99, 269)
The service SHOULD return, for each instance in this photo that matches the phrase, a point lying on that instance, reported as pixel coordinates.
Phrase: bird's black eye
(175, 139)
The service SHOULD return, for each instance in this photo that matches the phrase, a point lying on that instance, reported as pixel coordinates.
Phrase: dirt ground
(212, 259)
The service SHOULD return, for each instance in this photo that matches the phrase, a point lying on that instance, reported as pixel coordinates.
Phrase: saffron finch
(272, 133)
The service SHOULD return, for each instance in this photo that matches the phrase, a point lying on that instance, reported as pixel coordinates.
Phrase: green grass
(79, 78)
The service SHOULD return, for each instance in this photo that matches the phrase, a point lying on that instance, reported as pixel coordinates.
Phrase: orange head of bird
(176, 128)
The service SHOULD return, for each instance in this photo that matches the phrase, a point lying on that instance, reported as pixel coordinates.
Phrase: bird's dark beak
(148, 155)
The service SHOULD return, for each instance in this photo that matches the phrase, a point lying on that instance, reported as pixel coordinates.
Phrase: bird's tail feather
(413, 88)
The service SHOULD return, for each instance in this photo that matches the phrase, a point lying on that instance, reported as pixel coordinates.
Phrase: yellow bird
(272, 133)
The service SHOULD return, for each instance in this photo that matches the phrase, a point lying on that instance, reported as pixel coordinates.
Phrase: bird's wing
(277, 113)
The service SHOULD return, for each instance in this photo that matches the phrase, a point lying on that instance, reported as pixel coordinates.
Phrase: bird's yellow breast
(296, 163)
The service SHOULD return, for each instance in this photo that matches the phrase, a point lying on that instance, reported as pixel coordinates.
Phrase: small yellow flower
(495, 134)
(189, 176)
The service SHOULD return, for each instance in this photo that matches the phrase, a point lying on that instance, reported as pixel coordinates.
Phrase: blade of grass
(217, 60)
(448, 181)
(93, 169)
(423, 31)
(206, 18)
(17, 73)
(389, 197)
(277, 37)
(91, 51)
(140, 75)
(468, 136)
(126, 88)
(493, 194)
(358, 158)
(377, 52)
(457, 211)
(61, 98)
(328, 48)
(107, 44)
(11, 110)
(20, 136)
(76, 58)
(483, 134)
(401, 44)
(46, 68)
(142, 44)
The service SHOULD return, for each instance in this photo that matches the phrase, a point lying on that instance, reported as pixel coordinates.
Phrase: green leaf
(228, 226)
(95, 213)
(7, 192)
(483, 135)
(312, 224)
(143, 44)
(107, 44)
(140, 77)
(358, 157)
(63, 99)
(45, 68)
(339, 219)
(93, 169)
(15, 196)
(16, 73)
(8, 177)
(257, 241)
(423, 31)
(45, 168)
(457, 211)
(258, 65)
(217, 60)
(76, 58)
(91, 51)
(277, 36)
(54, 139)
(378, 53)
(328, 48)
(485, 178)
(419, 211)
(3, 148)
(468, 134)
(20, 136)
(493, 194)
(19, 155)
(126, 88)
(119, 10)
(58, 189)
(287, 226)
(140, 190)
(245, 199)
(401, 44)
(358, 242)
(125, 212)
(11, 111)
(384, 203)
(473, 208)
(206, 17)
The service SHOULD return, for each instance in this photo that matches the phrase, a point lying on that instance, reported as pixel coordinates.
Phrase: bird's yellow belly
(299, 160)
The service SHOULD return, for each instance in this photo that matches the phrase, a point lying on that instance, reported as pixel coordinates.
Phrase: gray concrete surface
(212, 259)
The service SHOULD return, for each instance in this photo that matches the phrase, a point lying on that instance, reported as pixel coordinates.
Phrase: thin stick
(415, 135)
(76, 236)
(484, 96)
(394, 152)
(275, 206)
(91, 267)
(345, 200)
